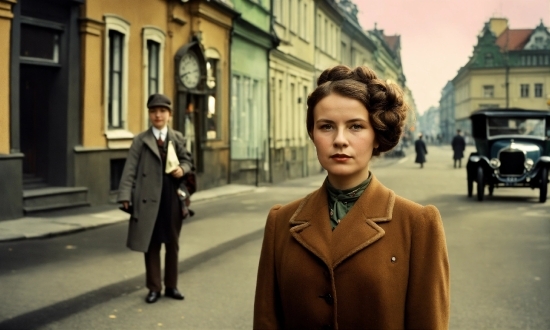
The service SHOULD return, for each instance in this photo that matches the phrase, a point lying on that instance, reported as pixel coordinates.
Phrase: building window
(538, 90)
(153, 64)
(40, 43)
(212, 115)
(116, 74)
(153, 49)
(116, 44)
(489, 59)
(524, 90)
(246, 118)
(117, 166)
(488, 91)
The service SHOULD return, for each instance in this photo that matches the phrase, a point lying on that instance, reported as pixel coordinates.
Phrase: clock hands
(188, 72)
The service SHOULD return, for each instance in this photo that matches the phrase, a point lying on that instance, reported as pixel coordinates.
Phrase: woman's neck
(347, 182)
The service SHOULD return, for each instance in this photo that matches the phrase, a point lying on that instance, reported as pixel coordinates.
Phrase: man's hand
(177, 173)
(125, 204)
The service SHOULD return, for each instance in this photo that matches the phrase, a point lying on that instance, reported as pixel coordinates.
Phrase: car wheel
(543, 185)
(470, 187)
(480, 184)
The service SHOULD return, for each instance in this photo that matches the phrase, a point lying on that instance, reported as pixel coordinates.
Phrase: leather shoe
(152, 297)
(173, 293)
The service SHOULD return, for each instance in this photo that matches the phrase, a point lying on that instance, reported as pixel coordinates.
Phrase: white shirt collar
(162, 132)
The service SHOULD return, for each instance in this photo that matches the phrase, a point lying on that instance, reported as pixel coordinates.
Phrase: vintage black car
(513, 150)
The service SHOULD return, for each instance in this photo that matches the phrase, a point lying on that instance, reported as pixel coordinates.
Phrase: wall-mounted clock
(189, 70)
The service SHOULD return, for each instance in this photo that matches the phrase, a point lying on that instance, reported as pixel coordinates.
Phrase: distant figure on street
(459, 144)
(421, 151)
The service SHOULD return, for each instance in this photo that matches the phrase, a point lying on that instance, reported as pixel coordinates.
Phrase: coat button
(328, 298)
(144, 175)
(144, 201)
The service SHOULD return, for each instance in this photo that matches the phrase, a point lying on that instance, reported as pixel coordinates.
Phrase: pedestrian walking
(421, 151)
(352, 254)
(459, 145)
(151, 196)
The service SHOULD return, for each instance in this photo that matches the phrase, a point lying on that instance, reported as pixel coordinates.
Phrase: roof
(392, 41)
(516, 39)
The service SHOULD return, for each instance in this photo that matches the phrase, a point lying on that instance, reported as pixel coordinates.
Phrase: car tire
(470, 187)
(543, 185)
(480, 184)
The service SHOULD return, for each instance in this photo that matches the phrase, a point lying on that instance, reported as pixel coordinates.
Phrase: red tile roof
(516, 39)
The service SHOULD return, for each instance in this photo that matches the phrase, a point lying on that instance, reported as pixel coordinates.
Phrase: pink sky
(438, 36)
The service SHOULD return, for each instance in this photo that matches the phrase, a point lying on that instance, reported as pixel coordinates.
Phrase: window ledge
(119, 134)
(119, 139)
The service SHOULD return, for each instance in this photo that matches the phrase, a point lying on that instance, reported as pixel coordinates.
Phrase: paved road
(499, 251)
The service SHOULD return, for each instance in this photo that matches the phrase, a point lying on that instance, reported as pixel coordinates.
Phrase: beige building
(291, 77)
(510, 68)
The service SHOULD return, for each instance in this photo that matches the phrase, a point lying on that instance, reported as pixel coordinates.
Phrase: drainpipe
(274, 46)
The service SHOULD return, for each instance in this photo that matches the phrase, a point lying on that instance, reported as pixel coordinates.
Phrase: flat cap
(159, 100)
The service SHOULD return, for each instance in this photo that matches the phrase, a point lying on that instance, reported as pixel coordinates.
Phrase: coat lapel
(359, 228)
(310, 225)
(149, 140)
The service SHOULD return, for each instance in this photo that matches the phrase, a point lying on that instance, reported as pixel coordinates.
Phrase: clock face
(189, 70)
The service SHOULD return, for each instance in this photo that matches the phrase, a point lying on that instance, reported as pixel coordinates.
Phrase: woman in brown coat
(156, 208)
(352, 254)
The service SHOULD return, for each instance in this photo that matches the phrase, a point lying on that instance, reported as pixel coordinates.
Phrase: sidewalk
(64, 222)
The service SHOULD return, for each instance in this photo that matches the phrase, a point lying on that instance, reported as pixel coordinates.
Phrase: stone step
(54, 198)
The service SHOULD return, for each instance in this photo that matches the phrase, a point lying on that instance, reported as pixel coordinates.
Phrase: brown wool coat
(143, 174)
(385, 266)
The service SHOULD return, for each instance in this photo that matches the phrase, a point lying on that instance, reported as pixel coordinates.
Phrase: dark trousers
(459, 162)
(152, 266)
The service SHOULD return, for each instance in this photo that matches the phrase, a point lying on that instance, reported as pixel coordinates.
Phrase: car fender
(476, 160)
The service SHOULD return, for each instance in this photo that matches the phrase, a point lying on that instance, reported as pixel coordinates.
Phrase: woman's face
(344, 140)
(159, 116)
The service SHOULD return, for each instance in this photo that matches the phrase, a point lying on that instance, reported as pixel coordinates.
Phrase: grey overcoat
(141, 183)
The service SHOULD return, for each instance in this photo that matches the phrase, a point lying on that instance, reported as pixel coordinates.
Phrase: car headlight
(475, 159)
(495, 162)
(529, 164)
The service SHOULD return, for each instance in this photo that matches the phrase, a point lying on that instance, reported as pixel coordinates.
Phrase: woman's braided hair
(383, 101)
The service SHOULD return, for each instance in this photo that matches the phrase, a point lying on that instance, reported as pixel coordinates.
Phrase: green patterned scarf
(341, 201)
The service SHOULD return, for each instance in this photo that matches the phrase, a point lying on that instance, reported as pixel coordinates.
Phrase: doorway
(36, 83)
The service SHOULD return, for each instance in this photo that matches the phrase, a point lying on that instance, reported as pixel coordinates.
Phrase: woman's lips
(340, 157)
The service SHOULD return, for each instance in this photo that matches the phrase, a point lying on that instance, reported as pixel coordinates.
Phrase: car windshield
(516, 126)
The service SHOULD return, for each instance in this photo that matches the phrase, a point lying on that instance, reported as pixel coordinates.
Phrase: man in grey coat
(151, 196)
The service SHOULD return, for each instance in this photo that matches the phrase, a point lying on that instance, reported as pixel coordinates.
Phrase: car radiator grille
(512, 162)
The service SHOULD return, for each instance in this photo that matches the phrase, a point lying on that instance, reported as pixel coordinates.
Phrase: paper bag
(172, 161)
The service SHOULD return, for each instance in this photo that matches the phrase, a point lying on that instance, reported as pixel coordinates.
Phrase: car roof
(511, 112)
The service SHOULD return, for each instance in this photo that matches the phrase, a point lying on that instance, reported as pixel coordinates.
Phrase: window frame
(524, 90)
(118, 24)
(212, 55)
(538, 90)
(154, 34)
(490, 89)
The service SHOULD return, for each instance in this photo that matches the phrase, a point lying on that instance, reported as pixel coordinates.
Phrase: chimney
(498, 25)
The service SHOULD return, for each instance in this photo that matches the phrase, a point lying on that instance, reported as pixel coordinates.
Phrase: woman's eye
(356, 127)
(326, 127)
